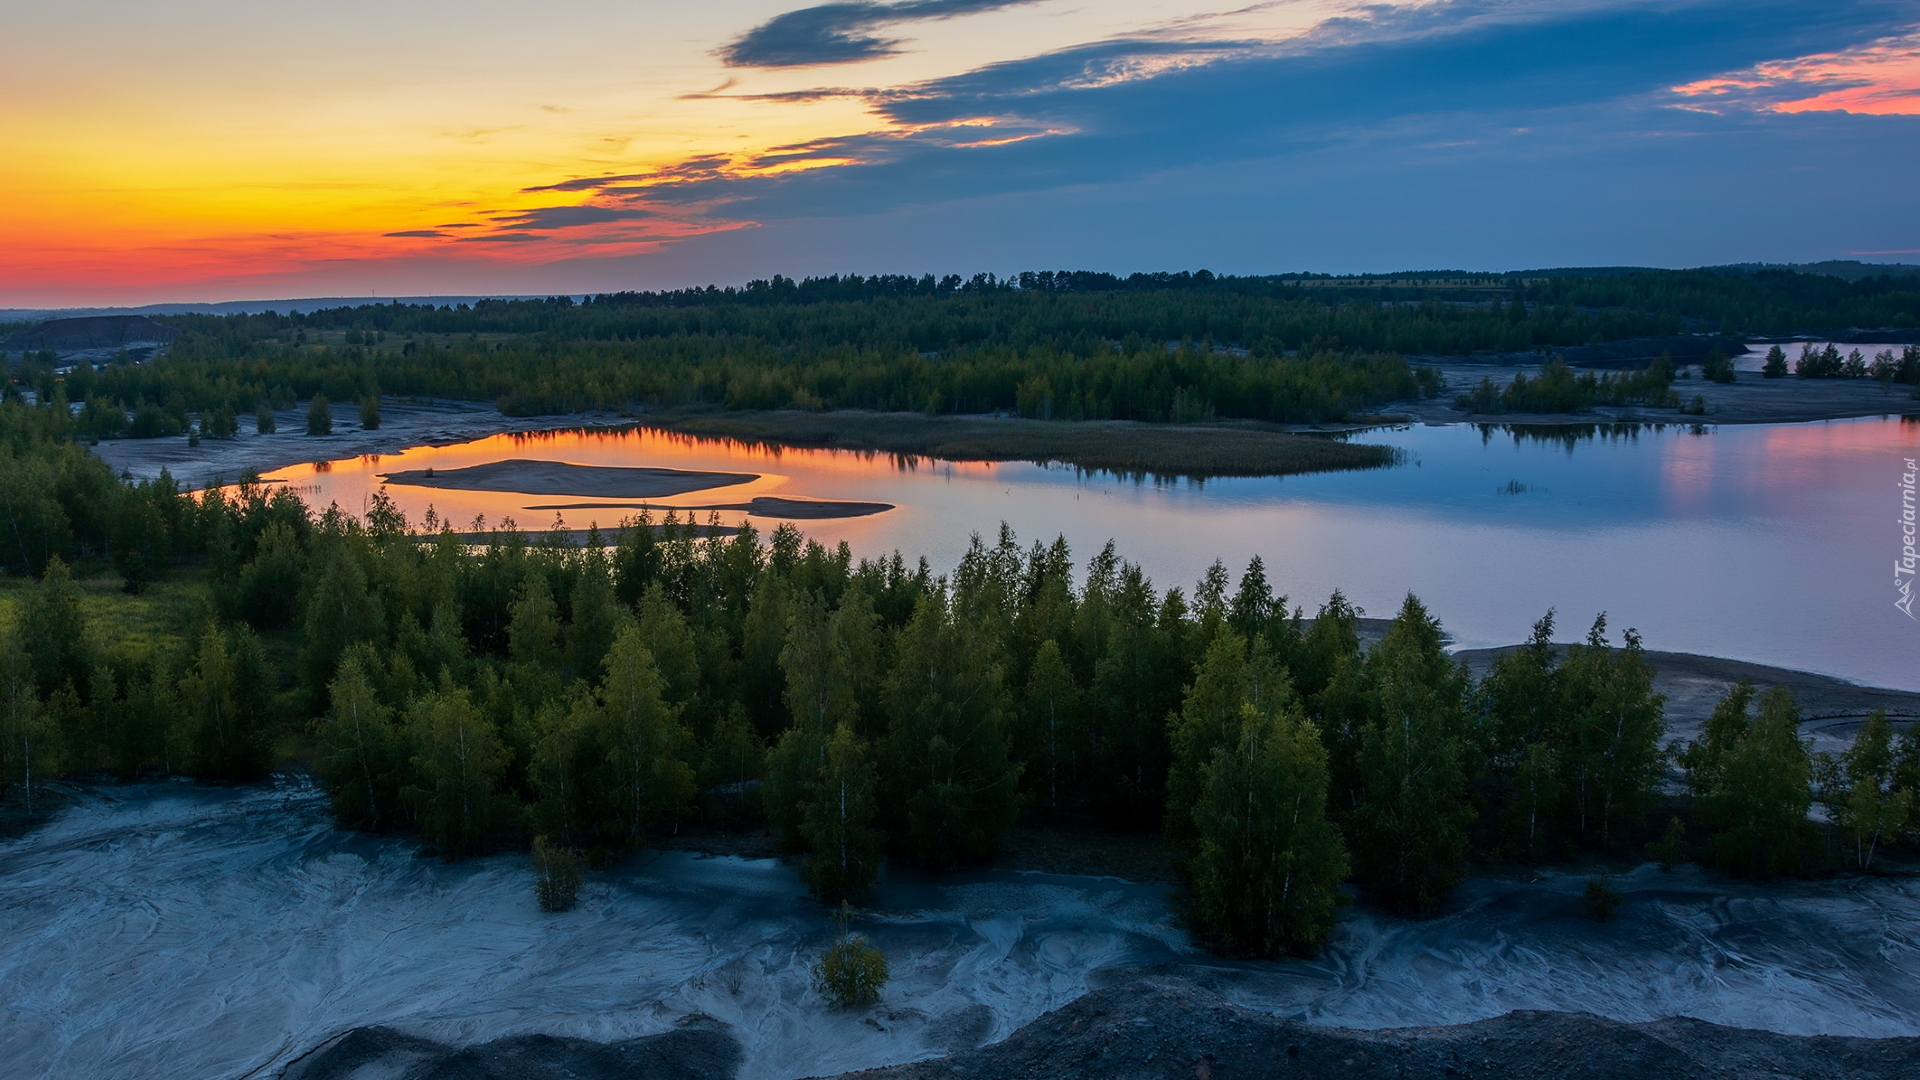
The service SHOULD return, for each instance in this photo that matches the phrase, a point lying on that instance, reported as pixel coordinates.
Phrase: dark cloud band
(841, 33)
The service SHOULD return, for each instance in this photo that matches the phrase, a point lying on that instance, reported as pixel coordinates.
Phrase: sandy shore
(1749, 399)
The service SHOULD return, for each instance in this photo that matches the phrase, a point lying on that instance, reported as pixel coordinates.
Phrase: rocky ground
(1145, 1026)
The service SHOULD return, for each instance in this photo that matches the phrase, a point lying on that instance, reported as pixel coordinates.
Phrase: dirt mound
(91, 332)
(701, 1049)
(1167, 1027)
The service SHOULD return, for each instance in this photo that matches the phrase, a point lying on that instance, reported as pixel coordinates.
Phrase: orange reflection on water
(790, 472)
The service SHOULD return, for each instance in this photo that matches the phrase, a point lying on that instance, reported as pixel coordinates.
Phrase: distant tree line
(1558, 389)
(1827, 363)
(1064, 345)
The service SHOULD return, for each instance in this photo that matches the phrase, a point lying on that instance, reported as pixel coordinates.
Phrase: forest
(1050, 345)
(582, 698)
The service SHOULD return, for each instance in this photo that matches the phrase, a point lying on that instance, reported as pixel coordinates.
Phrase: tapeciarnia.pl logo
(1903, 567)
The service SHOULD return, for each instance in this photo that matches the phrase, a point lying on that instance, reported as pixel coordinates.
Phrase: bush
(556, 876)
(1717, 367)
(370, 413)
(152, 422)
(263, 420)
(852, 971)
(1671, 848)
(1601, 899)
(320, 416)
(1776, 365)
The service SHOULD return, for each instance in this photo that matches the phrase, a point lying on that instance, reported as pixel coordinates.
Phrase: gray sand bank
(529, 477)
(766, 506)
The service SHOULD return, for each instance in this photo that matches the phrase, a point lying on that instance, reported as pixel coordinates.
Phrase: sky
(205, 150)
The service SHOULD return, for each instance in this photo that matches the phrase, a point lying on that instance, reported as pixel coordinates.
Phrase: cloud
(417, 232)
(841, 33)
(1429, 117)
(1881, 78)
(546, 218)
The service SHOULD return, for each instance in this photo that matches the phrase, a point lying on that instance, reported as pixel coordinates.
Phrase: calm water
(1767, 543)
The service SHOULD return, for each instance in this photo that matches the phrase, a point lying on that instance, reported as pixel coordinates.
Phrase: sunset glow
(217, 150)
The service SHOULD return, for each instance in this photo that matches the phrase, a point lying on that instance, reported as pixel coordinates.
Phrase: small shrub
(556, 876)
(370, 413)
(852, 971)
(1601, 899)
(263, 420)
(320, 416)
(1671, 848)
(1717, 367)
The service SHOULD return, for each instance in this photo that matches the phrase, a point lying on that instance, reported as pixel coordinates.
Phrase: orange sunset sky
(214, 149)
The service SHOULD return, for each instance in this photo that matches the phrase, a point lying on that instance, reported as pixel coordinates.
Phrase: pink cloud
(1880, 79)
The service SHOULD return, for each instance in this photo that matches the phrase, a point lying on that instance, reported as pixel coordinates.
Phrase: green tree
(763, 636)
(945, 762)
(1267, 874)
(320, 416)
(1227, 680)
(1410, 828)
(1776, 365)
(1332, 678)
(1052, 729)
(819, 699)
(1705, 759)
(1870, 806)
(341, 610)
(533, 627)
(664, 632)
(458, 763)
(837, 822)
(556, 876)
(57, 638)
(568, 770)
(735, 758)
(369, 413)
(229, 726)
(851, 972)
(596, 616)
(1611, 746)
(263, 422)
(26, 729)
(649, 779)
(359, 747)
(1764, 791)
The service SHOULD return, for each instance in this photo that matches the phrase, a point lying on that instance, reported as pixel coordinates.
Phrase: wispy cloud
(842, 33)
(1881, 78)
(1450, 83)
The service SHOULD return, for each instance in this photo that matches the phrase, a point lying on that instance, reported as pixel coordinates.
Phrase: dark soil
(1163, 1027)
(1167, 1027)
(701, 1049)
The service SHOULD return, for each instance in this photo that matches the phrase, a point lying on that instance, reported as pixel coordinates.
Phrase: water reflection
(1765, 542)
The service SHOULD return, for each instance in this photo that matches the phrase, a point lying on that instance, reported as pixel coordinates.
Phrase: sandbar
(767, 506)
(531, 477)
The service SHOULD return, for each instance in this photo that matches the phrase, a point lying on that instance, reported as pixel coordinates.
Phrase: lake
(1767, 543)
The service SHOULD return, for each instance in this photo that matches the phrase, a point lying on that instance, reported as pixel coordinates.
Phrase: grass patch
(1123, 447)
(124, 625)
